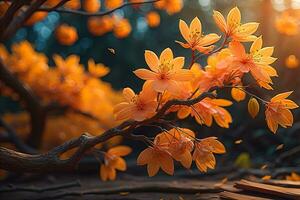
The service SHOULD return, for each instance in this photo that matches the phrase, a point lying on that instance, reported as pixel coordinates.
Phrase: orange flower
(233, 27)
(97, 70)
(219, 71)
(153, 19)
(278, 111)
(156, 157)
(112, 4)
(68, 66)
(91, 6)
(122, 28)
(179, 142)
(257, 61)
(195, 39)
(98, 26)
(166, 71)
(66, 35)
(292, 62)
(36, 17)
(204, 153)
(207, 110)
(113, 162)
(136, 107)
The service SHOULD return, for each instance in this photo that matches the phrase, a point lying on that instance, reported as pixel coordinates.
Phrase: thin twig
(83, 13)
(224, 43)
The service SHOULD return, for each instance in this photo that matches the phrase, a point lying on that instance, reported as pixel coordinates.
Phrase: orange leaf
(253, 107)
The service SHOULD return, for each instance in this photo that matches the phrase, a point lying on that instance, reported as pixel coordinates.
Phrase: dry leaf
(279, 147)
(238, 141)
(111, 50)
(267, 177)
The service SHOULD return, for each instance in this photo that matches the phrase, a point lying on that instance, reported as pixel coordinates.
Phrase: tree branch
(10, 14)
(35, 109)
(49, 162)
(19, 20)
(12, 137)
(80, 12)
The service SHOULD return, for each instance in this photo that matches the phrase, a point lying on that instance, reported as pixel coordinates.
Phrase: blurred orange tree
(67, 84)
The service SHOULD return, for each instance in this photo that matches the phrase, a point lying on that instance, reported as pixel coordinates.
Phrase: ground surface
(130, 187)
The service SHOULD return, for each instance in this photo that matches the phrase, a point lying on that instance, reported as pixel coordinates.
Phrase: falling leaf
(267, 177)
(279, 147)
(253, 107)
(243, 160)
(124, 193)
(263, 166)
(238, 141)
(111, 50)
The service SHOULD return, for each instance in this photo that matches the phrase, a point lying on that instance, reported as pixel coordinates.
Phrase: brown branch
(292, 153)
(83, 13)
(19, 20)
(12, 137)
(60, 4)
(141, 187)
(36, 110)
(10, 14)
(49, 162)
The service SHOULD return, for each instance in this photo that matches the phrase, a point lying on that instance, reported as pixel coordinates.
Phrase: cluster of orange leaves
(68, 84)
(168, 79)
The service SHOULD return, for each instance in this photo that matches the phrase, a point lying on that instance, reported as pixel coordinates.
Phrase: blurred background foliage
(248, 140)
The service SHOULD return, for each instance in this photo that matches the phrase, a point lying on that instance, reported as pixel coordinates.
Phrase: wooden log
(235, 196)
(289, 193)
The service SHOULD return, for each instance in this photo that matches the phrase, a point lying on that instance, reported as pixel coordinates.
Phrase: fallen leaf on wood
(222, 182)
(267, 177)
(293, 177)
